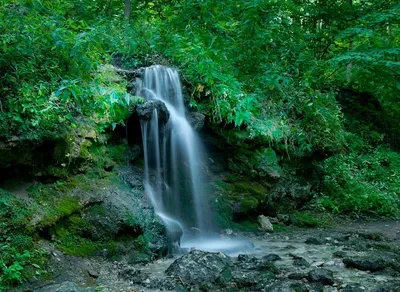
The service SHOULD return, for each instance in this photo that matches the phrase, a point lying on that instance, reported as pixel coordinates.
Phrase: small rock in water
(265, 223)
(329, 264)
(245, 257)
(322, 276)
(297, 276)
(290, 247)
(93, 273)
(272, 257)
(353, 288)
(301, 262)
(314, 241)
(317, 264)
(339, 254)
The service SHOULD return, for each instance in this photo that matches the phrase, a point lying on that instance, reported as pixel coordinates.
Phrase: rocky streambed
(344, 258)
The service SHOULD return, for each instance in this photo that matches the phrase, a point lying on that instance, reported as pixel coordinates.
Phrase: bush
(363, 184)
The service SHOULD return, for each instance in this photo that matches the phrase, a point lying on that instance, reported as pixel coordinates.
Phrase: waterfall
(173, 155)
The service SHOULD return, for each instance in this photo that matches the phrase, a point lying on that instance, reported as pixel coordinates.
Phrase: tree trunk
(127, 13)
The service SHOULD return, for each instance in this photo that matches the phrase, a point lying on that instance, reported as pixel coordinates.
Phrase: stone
(245, 258)
(273, 220)
(297, 276)
(301, 262)
(266, 163)
(353, 288)
(314, 241)
(244, 278)
(265, 223)
(339, 254)
(272, 257)
(365, 264)
(196, 120)
(261, 163)
(322, 276)
(145, 111)
(253, 263)
(199, 267)
(93, 273)
(284, 218)
(329, 264)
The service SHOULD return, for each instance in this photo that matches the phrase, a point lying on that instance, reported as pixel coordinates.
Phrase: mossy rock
(248, 187)
(260, 163)
(265, 162)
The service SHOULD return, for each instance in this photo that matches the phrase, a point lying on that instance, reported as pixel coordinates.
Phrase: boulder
(265, 223)
(199, 267)
(272, 257)
(266, 163)
(365, 264)
(322, 276)
(196, 120)
(145, 111)
(262, 163)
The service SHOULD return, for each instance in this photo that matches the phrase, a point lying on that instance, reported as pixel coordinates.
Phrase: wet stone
(301, 262)
(353, 288)
(365, 264)
(246, 258)
(313, 240)
(198, 267)
(322, 276)
(145, 111)
(272, 257)
(339, 254)
(93, 273)
(297, 276)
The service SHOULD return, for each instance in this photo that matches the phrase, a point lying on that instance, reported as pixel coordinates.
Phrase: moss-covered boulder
(237, 200)
(261, 163)
(97, 213)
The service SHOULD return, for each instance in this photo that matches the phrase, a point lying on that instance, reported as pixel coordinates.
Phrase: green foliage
(19, 256)
(50, 69)
(363, 184)
(302, 219)
(13, 273)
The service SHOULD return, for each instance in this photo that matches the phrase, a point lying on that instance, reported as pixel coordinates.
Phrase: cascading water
(173, 155)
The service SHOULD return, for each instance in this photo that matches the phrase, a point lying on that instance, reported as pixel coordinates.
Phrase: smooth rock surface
(145, 111)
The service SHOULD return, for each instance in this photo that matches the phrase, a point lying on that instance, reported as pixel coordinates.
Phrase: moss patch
(303, 220)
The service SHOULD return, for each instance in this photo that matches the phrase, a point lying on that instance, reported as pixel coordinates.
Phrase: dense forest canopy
(305, 91)
(287, 73)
